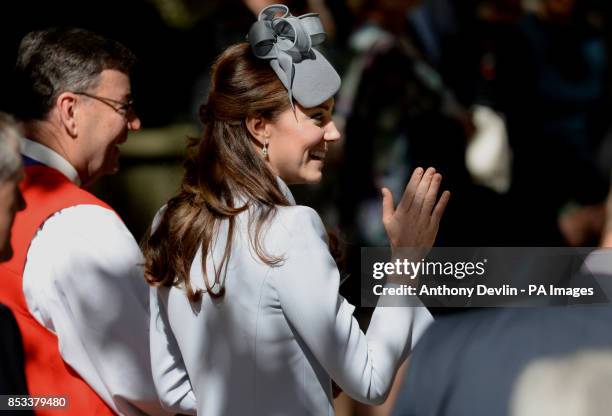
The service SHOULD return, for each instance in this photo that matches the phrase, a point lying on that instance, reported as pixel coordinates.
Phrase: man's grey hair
(56, 60)
(10, 158)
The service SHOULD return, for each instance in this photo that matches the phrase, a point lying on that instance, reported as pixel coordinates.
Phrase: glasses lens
(128, 108)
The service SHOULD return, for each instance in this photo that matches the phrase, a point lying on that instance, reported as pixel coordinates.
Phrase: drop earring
(264, 149)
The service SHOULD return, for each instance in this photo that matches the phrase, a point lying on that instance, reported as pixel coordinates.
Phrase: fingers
(423, 188)
(436, 215)
(431, 195)
(410, 190)
(419, 196)
(387, 205)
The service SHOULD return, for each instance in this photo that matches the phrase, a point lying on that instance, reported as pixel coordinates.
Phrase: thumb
(387, 205)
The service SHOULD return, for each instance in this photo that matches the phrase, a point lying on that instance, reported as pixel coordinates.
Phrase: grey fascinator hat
(288, 42)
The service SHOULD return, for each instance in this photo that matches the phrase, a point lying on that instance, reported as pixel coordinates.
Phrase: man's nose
(134, 122)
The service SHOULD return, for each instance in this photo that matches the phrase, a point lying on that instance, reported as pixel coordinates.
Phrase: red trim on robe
(46, 191)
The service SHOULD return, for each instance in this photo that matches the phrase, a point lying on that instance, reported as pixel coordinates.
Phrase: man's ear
(66, 107)
(259, 128)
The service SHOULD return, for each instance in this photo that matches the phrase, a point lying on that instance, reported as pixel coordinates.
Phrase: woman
(246, 315)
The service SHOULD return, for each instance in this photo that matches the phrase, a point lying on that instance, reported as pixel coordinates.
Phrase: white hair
(578, 385)
(10, 158)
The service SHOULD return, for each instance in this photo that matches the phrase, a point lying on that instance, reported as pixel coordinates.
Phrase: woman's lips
(317, 154)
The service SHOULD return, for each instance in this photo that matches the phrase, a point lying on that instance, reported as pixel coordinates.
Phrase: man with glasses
(75, 283)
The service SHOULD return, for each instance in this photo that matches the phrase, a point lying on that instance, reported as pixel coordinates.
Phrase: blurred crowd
(509, 100)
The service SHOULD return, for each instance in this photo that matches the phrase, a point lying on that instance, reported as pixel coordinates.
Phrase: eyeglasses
(124, 108)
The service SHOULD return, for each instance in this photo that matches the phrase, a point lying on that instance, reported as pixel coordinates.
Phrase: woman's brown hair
(222, 168)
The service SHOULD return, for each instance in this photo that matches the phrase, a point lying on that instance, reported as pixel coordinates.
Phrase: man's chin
(112, 169)
(111, 164)
(91, 180)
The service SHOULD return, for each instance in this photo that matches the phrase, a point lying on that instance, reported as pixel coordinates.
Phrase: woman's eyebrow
(325, 107)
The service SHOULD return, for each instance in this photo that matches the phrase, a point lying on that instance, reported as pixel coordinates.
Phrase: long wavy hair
(221, 168)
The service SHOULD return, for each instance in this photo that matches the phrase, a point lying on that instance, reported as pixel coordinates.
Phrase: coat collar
(50, 158)
(285, 190)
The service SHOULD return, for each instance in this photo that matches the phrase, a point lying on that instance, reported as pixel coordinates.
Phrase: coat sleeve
(363, 365)
(169, 373)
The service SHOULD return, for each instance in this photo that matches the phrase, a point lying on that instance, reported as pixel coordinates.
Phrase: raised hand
(415, 221)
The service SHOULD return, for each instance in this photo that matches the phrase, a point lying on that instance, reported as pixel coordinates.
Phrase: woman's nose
(331, 132)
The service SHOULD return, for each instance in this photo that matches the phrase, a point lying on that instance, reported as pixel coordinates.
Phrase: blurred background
(510, 100)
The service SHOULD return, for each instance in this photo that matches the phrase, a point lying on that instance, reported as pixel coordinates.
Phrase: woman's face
(298, 142)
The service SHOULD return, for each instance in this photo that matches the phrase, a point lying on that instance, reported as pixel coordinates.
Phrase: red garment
(46, 191)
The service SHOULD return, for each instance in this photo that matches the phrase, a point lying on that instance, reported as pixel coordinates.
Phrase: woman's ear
(259, 129)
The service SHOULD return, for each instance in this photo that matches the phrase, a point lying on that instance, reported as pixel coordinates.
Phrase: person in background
(469, 364)
(11, 174)
(554, 103)
(12, 375)
(75, 282)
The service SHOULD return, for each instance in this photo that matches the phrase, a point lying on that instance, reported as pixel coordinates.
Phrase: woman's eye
(318, 117)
